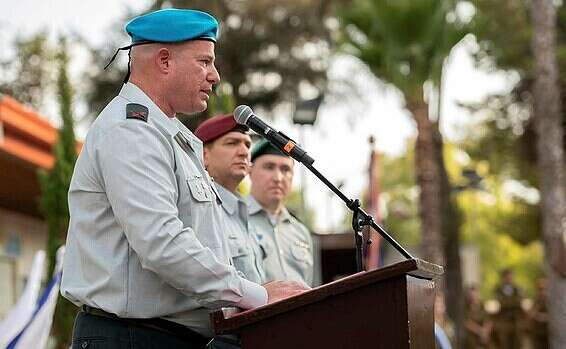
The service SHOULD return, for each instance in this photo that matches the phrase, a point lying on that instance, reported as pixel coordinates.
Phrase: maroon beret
(218, 126)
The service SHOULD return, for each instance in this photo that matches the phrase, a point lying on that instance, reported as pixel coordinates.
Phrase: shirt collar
(254, 207)
(229, 199)
(284, 215)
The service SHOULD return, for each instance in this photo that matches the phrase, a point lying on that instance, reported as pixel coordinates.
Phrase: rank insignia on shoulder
(137, 111)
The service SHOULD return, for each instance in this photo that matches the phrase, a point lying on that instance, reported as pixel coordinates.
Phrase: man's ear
(205, 155)
(163, 60)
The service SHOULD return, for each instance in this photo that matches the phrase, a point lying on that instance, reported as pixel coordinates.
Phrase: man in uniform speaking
(146, 256)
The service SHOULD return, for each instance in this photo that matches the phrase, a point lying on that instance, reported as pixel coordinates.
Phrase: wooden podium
(391, 307)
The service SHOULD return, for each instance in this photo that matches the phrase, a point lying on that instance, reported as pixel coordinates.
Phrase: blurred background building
(26, 140)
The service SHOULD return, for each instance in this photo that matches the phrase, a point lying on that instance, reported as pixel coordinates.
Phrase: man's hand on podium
(278, 290)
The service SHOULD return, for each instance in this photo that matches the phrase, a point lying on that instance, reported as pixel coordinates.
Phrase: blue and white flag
(36, 333)
(22, 312)
(441, 337)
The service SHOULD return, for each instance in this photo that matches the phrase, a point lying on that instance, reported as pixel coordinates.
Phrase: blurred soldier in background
(508, 320)
(477, 324)
(538, 317)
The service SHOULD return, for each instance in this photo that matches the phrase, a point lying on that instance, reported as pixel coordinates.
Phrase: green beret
(263, 147)
(173, 25)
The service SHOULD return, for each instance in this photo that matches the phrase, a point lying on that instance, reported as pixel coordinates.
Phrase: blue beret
(173, 25)
(263, 147)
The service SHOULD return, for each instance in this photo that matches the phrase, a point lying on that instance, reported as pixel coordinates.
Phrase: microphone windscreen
(242, 113)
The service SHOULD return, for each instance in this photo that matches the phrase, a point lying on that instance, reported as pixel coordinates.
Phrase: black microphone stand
(360, 219)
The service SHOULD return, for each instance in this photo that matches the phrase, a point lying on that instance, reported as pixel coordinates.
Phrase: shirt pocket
(199, 188)
(238, 247)
(301, 252)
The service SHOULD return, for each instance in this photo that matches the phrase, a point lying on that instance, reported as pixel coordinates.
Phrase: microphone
(244, 115)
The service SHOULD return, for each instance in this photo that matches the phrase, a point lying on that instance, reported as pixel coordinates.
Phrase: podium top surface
(230, 320)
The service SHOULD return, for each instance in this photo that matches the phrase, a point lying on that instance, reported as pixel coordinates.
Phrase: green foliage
(55, 183)
(265, 53)
(295, 205)
(403, 42)
(505, 229)
(54, 187)
(26, 75)
(501, 48)
(510, 50)
(498, 251)
(400, 195)
(503, 137)
(222, 102)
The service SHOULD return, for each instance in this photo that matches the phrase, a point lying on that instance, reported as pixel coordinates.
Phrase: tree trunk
(450, 220)
(451, 223)
(428, 180)
(550, 153)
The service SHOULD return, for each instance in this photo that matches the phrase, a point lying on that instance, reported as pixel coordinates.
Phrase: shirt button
(281, 251)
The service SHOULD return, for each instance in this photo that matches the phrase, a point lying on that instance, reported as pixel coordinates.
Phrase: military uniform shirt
(145, 235)
(286, 245)
(244, 248)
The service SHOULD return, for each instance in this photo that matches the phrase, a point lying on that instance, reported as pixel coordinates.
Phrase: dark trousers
(92, 331)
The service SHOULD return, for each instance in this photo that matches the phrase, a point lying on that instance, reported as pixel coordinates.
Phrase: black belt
(156, 324)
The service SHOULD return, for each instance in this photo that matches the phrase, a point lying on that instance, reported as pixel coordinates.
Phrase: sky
(337, 141)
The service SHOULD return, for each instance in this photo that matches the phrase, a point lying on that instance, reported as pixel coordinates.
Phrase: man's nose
(214, 76)
(277, 176)
(243, 149)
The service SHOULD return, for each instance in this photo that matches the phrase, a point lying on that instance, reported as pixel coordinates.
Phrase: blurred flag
(441, 338)
(21, 313)
(36, 332)
(374, 258)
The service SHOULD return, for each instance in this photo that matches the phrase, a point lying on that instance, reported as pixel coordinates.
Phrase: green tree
(405, 42)
(550, 153)
(267, 52)
(54, 188)
(536, 50)
(491, 218)
(27, 74)
(513, 51)
(399, 193)
(500, 225)
(294, 204)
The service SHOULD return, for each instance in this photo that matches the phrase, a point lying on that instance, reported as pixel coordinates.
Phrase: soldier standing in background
(477, 324)
(286, 243)
(508, 320)
(538, 316)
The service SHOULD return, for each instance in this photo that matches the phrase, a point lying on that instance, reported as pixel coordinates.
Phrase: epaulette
(137, 111)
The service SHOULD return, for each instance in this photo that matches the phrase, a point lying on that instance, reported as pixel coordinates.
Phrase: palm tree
(548, 119)
(405, 42)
